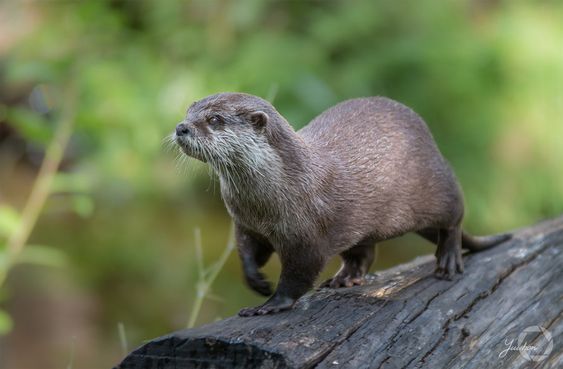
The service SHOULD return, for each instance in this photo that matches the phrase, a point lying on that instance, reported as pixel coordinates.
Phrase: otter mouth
(189, 147)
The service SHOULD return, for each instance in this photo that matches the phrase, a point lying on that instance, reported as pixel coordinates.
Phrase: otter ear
(259, 118)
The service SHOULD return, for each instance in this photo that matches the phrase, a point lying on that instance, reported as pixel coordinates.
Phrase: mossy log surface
(403, 318)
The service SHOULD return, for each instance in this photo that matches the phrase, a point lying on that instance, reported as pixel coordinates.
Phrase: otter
(363, 171)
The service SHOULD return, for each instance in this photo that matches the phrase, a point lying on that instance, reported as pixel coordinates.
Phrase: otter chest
(253, 213)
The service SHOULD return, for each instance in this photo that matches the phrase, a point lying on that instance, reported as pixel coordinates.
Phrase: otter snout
(182, 129)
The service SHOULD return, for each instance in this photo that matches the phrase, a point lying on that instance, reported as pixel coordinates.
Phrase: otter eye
(214, 120)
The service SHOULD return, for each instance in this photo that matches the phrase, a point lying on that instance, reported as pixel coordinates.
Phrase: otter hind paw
(448, 264)
(339, 281)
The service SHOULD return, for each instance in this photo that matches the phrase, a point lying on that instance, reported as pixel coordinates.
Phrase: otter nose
(182, 129)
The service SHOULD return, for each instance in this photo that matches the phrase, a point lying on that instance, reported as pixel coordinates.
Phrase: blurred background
(93, 87)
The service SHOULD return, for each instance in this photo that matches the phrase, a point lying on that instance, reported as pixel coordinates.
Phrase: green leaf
(31, 70)
(83, 205)
(4, 295)
(42, 255)
(6, 323)
(31, 125)
(9, 220)
(3, 257)
(70, 182)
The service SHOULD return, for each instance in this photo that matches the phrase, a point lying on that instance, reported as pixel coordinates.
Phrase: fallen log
(505, 311)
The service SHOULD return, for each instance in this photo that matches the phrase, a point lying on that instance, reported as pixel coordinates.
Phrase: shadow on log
(403, 318)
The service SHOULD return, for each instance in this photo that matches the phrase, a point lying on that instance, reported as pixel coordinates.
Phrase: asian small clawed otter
(364, 171)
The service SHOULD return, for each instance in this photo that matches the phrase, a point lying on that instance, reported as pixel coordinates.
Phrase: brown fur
(363, 171)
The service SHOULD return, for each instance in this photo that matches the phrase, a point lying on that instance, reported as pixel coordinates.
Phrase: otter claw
(443, 274)
(269, 307)
(343, 281)
(447, 266)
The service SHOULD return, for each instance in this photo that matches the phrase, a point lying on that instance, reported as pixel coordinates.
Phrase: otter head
(226, 130)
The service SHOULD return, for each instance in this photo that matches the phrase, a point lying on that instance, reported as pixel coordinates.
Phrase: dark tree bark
(403, 318)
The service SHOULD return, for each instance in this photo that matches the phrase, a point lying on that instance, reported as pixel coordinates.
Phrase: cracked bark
(403, 318)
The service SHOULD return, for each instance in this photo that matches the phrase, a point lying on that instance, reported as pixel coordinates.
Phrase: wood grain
(403, 318)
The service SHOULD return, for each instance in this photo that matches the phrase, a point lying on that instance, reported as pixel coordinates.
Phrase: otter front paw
(274, 305)
(258, 283)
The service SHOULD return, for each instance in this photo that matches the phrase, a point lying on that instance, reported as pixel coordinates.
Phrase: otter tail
(478, 243)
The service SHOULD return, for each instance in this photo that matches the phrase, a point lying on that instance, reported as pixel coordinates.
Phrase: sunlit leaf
(31, 70)
(3, 257)
(9, 220)
(31, 125)
(6, 323)
(70, 182)
(83, 205)
(42, 255)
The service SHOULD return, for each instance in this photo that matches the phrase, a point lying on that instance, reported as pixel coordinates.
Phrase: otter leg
(355, 264)
(430, 234)
(254, 252)
(299, 271)
(448, 253)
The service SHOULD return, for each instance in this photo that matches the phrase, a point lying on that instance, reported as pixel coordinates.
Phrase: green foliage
(42, 255)
(34, 127)
(5, 322)
(207, 275)
(463, 67)
(9, 220)
(486, 76)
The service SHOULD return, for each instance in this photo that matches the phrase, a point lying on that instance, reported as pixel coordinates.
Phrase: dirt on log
(403, 318)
